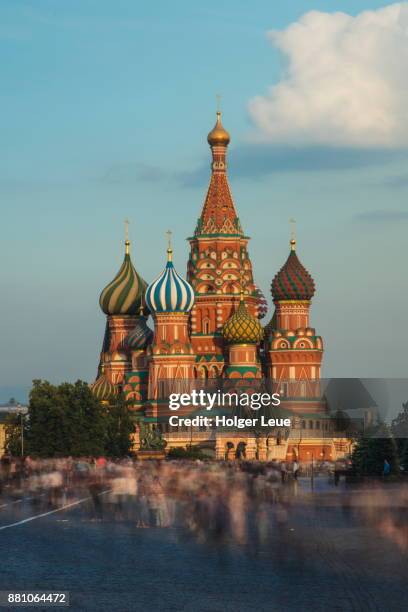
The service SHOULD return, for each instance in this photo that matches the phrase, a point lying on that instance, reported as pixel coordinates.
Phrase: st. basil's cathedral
(207, 328)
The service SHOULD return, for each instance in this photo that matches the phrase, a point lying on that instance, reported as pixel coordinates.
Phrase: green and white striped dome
(103, 389)
(123, 296)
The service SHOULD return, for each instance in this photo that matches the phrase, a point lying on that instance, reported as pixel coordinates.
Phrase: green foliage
(341, 421)
(14, 422)
(399, 425)
(119, 426)
(399, 428)
(372, 449)
(192, 452)
(404, 456)
(65, 420)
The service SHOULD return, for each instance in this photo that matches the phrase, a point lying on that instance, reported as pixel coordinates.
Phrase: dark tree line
(67, 420)
(383, 443)
(399, 429)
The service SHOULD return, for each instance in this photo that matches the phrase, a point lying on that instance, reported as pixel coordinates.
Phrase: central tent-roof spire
(218, 215)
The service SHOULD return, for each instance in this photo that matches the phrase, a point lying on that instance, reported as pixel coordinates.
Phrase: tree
(192, 452)
(372, 449)
(404, 456)
(65, 420)
(119, 426)
(399, 426)
(341, 421)
(14, 439)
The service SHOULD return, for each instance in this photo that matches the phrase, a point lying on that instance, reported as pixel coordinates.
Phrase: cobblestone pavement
(322, 556)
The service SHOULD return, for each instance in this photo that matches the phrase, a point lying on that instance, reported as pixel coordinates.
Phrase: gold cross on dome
(169, 247)
(292, 234)
(169, 234)
(127, 243)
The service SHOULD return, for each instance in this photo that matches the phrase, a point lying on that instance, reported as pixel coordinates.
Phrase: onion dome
(293, 281)
(261, 303)
(242, 327)
(140, 336)
(169, 292)
(123, 296)
(102, 389)
(218, 135)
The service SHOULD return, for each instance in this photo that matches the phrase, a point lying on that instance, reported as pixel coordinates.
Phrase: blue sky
(105, 111)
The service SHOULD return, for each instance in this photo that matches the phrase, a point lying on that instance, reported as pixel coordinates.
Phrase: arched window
(206, 326)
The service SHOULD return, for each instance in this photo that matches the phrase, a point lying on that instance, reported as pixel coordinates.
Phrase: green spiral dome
(242, 327)
(123, 296)
(140, 336)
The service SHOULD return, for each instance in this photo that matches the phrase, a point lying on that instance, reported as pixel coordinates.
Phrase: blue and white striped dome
(169, 292)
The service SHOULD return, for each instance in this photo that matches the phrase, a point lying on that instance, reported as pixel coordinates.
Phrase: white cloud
(345, 82)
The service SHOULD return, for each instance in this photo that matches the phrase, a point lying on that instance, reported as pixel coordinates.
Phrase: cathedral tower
(171, 356)
(243, 334)
(294, 351)
(120, 301)
(136, 344)
(218, 260)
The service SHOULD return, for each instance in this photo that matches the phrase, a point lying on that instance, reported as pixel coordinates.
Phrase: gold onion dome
(218, 135)
(103, 390)
(242, 327)
(123, 296)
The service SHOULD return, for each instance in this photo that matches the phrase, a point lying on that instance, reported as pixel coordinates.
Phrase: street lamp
(298, 424)
(312, 474)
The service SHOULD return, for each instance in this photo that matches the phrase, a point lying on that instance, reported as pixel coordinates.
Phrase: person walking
(295, 469)
(386, 468)
(283, 472)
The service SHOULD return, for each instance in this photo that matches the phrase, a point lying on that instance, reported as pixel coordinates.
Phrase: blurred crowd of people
(212, 500)
(241, 502)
